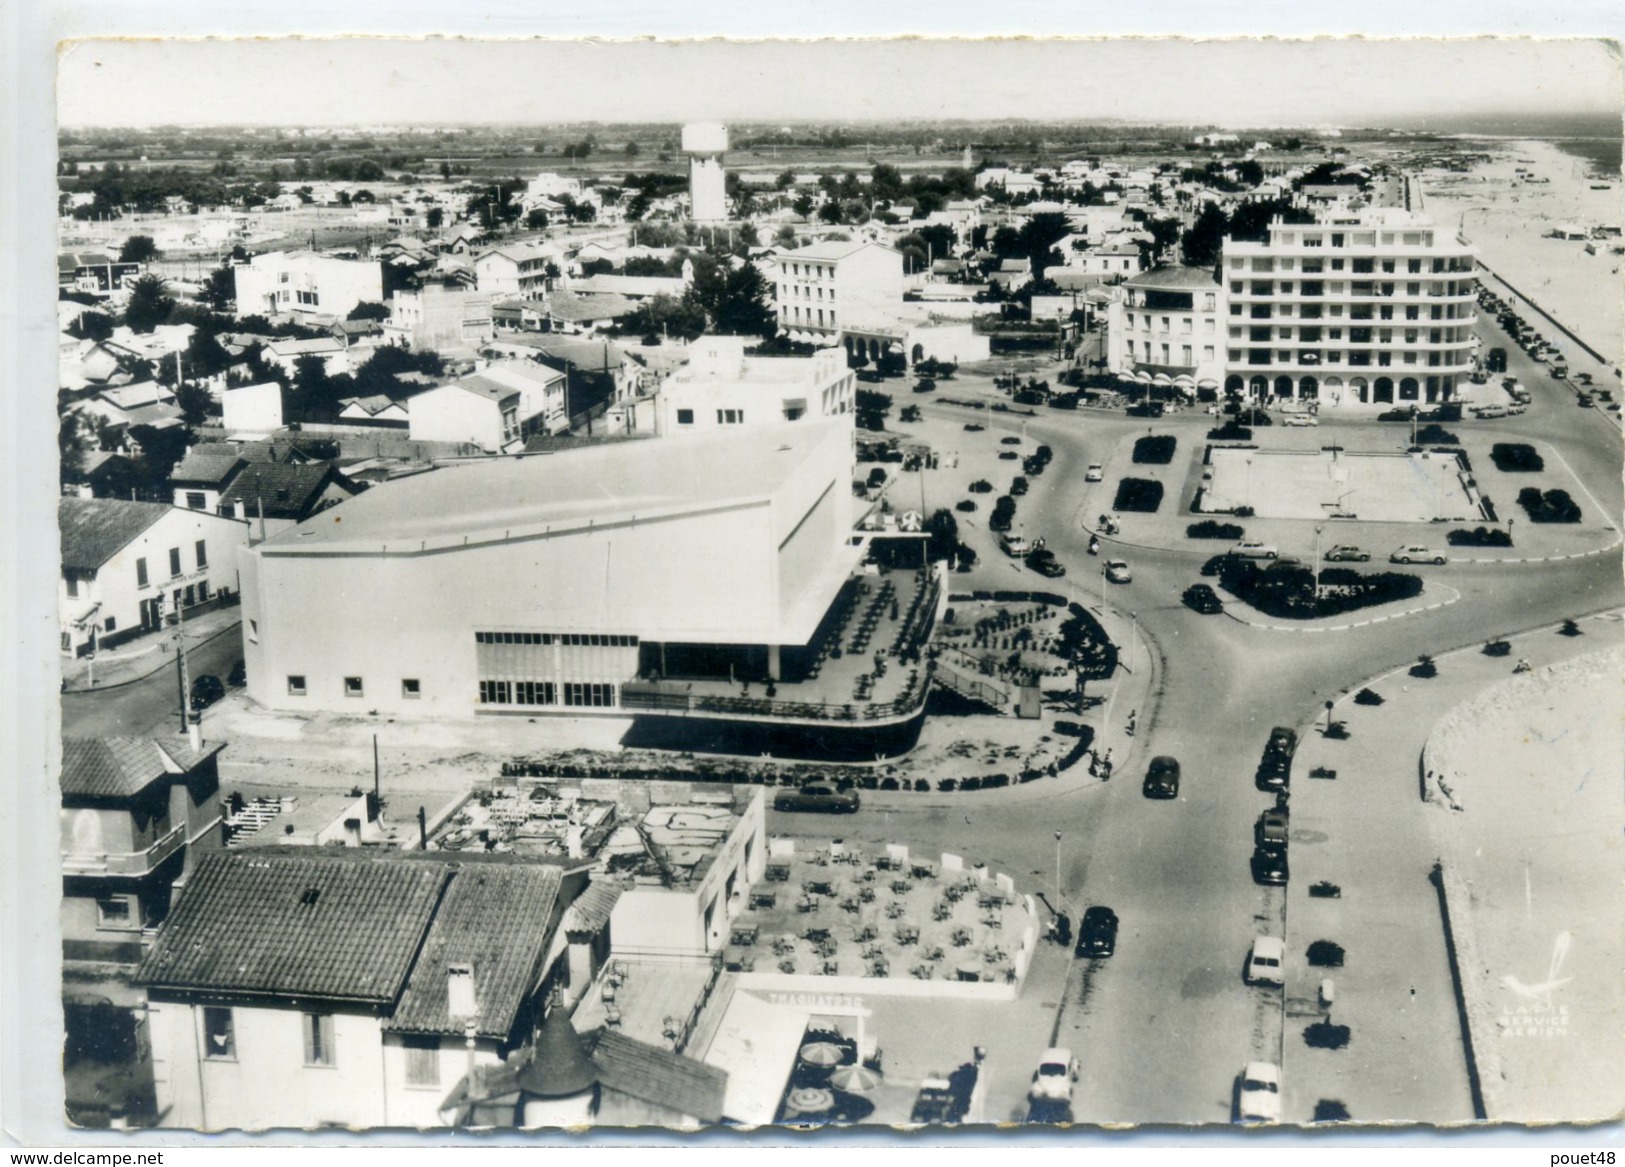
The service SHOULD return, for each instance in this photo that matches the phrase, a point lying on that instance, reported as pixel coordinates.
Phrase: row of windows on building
(1382, 358)
(808, 271)
(1355, 311)
(1313, 332)
(581, 694)
(200, 551)
(1366, 264)
(1147, 321)
(1340, 288)
(411, 687)
(805, 315)
(801, 292)
(569, 639)
(1186, 357)
(320, 1050)
(729, 416)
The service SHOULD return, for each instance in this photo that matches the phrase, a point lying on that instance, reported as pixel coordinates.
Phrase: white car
(1052, 1081)
(1254, 550)
(1259, 1099)
(1117, 571)
(1095, 472)
(1301, 419)
(1416, 553)
(1264, 962)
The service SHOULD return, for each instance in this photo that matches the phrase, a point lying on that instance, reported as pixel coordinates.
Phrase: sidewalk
(138, 659)
(1368, 832)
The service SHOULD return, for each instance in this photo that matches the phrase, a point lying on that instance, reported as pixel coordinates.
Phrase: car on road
(1271, 829)
(1258, 1099)
(1252, 549)
(1265, 962)
(1095, 472)
(1416, 553)
(206, 690)
(817, 799)
(1015, 546)
(1010, 441)
(1483, 412)
(1043, 561)
(1584, 401)
(1117, 571)
(1008, 455)
(1346, 553)
(1162, 778)
(1301, 419)
(1097, 934)
(238, 677)
(972, 428)
(1269, 866)
(1201, 598)
(1052, 1081)
(1275, 767)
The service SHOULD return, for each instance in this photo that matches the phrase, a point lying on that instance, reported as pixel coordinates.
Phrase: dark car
(206, 690)
(1203, 599)
(1010, 441)
(1043, 561)
(1275, 768)
(973, 428)
(817, 798)
(1162, 779)
(1097, 934)
(1269, 866)
(1269, 833)
(238, 677)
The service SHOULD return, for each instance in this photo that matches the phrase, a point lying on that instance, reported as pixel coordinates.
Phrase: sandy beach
(1510, 221)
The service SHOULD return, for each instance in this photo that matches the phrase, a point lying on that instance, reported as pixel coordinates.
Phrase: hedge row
(1138, 494)
(1287, 590)
(1554, 506)
(1479, 537)
(1155, 449)
(1516, 458)
(1212, 529)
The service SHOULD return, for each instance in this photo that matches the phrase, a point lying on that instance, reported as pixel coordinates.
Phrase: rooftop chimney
(460, 1002)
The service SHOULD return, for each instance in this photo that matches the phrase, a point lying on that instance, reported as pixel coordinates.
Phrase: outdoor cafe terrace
(865, 662)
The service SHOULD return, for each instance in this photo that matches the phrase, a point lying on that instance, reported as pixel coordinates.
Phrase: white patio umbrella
(854, 1079)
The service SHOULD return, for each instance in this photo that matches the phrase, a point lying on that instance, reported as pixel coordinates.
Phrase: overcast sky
(1244, 83)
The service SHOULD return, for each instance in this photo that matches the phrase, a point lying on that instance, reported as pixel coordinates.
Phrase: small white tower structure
(705, 143)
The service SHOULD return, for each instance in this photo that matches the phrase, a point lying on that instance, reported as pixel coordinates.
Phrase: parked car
(1010, 441)
(1043, 561)
(1097, 935)
(1052, 1081)
(817, 798)
(1095, 472)
(1484, 412)
(1346, 553)
(238, 677)
(1276, 763)
(1584, 401)
(1162, 778)
(1301, 419)
(1117, 571)
(1252, 549)
(206, 690)
(1266, 961)
(1014, 546)
(1269, 866)
(1416, 553)
(1271, 829)
(1259, 1097)
(972, 428)
(1201, 598)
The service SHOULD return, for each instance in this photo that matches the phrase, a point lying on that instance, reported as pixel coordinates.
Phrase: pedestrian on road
(1133, 718)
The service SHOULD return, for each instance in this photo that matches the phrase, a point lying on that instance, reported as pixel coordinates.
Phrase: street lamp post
(1318, 530)
(1249, 499)
(1058, 893)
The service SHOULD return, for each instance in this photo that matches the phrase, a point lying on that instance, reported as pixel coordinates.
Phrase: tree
(367, 310)
(92, 326)
(149, 305)
(435, 217)
(803, 205)
(535, 219)
(631, 150)
(194, 402)
(312, 391)
(138, 249)
(445, 171)
(872, 409)
(73, 442)
(785, 237)
(785, 180)
(161, 449)
(1038, 237)
(942, 535)
(735, 299)
(1250, 171)
(220, 289)
(1204, 242)
(886, 181)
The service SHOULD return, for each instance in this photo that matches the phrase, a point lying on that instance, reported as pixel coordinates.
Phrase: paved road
(150, 705)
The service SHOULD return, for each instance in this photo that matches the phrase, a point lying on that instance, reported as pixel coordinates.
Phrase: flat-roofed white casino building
(547, 583)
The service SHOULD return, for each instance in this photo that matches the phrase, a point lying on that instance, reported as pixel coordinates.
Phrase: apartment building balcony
(130, 863)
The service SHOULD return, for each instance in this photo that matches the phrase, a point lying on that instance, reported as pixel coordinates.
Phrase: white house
(496, 409)
(306, 284)
(826, 287)
(126, 566)
(518, 269)
(255, 409)
(440, 319)
(307, 987)
(720, 387)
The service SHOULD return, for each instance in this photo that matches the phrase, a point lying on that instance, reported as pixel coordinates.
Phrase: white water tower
(705, 143)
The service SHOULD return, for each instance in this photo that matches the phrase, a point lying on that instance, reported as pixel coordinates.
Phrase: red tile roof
(119, 767)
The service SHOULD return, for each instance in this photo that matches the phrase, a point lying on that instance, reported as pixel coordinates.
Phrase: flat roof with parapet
(529, 495)
(1174, 277)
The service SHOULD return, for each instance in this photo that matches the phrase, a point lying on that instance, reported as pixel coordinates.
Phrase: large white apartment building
(1370, 308)
(306, 284)
(826, 287)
